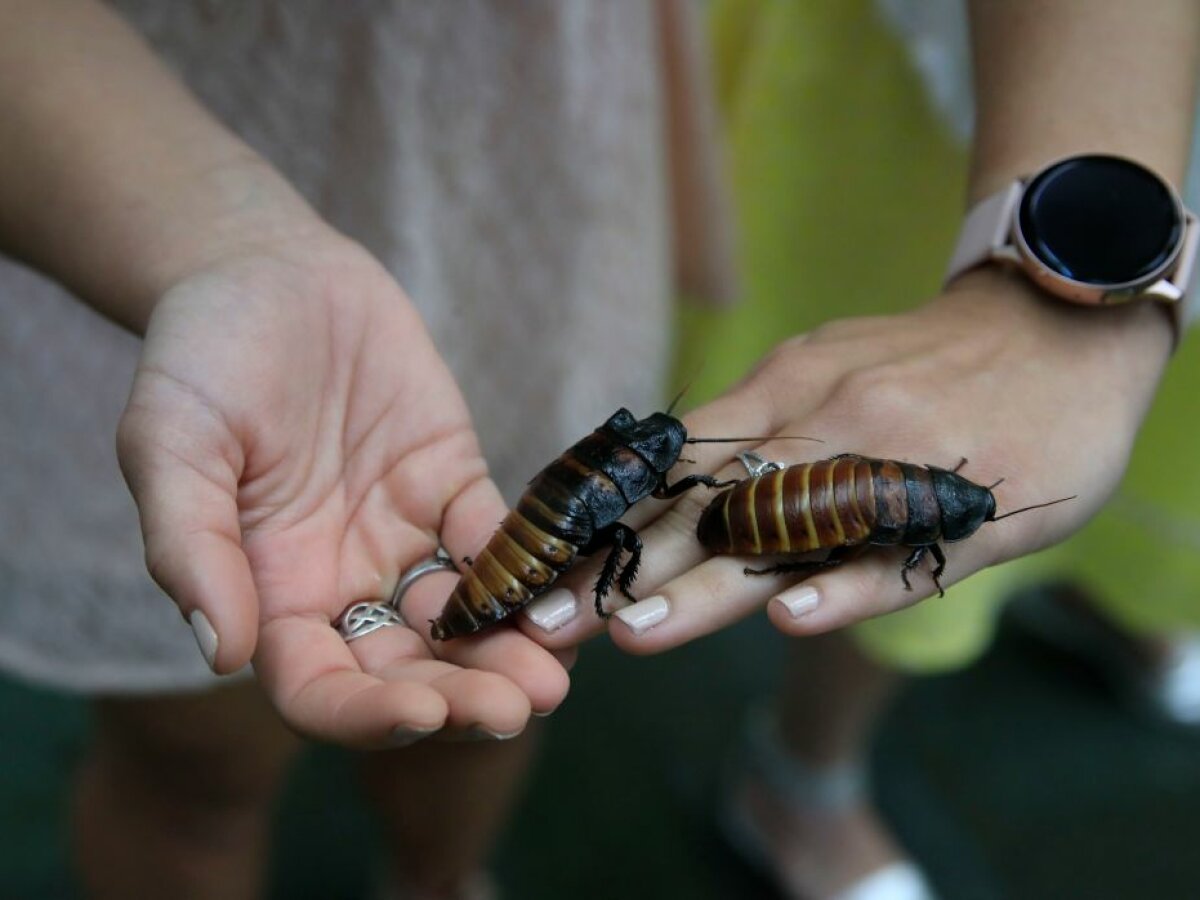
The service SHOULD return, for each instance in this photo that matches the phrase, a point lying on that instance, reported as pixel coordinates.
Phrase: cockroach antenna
(1035, 506)
(734, 440)
(687, 387)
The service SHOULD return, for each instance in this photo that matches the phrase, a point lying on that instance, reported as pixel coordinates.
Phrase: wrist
(1135, 339)
(113, 179)
(230, 208)
(1093, 229)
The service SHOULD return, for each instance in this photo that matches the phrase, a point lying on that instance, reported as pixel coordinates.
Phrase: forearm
(1058, 78)
(1071, 76)
(113, 179)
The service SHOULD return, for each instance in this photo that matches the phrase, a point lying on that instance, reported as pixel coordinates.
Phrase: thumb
(185, 488)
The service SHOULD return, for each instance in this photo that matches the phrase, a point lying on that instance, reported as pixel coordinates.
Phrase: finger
(476, 700)
(471, 518)
(483, 705)
(559, 618)
(720, 592)
(670, 549)
(863, 588)
(187, 504)
(565, 615)
(702, 600)
(479, 704)
(698, 600)
(499, 649)
(872, 584)
(318, 686)
(508, 652)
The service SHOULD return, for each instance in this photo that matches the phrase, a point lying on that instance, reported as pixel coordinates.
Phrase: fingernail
(206, 636)
(552, 610)
(479, 733)
(644, 614)
(798, 601)
(404, 736)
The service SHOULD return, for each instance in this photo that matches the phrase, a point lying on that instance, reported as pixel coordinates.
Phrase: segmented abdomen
(535, 543)
(839, 502)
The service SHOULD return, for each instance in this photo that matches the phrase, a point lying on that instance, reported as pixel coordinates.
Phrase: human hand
(1045, 396)
(294, 441)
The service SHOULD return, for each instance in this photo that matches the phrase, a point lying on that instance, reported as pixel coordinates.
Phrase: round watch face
(1101, 220)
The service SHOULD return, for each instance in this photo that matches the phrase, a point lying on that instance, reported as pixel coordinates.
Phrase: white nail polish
(553, 609)
(206, 636)
(799, 600)
(404, 736)
(479, 733)
(645, 614)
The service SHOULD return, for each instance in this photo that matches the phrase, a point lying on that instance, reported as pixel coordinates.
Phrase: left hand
(293, 441)
(1045, 395)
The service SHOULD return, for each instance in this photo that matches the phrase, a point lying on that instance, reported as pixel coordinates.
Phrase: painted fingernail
(644, 614)
(552, 610)
(404, 736)
(206, 636)
(479, 733)
(798, 601)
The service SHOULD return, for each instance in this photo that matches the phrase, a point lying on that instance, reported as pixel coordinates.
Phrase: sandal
(797, 786)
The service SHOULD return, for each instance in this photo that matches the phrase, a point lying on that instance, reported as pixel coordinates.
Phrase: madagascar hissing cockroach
(844, 503)
(572, 507)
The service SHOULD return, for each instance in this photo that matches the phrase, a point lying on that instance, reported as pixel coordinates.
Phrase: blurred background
(1008, 769)
(1016, 778)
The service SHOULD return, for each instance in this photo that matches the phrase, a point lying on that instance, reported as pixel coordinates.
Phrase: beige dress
(504, 160)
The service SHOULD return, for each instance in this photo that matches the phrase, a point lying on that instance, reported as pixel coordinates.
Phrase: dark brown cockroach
(572, 507)
(845, 503)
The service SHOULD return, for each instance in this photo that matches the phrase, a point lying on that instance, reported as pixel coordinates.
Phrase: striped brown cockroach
(572, 507)
(844, 503)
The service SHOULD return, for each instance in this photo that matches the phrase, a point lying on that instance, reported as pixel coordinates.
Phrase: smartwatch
(1091, 229)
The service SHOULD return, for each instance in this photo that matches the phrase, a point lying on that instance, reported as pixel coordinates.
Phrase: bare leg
(829, 702)
(176, 794)
(443, 806)
(830, 699)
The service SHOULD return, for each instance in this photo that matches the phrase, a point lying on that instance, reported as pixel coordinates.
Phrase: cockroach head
(964, 504)
(658, 438)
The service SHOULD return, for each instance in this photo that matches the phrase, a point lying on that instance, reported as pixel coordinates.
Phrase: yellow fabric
(848, 194)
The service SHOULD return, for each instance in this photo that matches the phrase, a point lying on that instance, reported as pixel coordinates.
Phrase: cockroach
(572, 508)
(843, 504)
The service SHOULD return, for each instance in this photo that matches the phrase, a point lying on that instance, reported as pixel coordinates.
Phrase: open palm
(294, 441)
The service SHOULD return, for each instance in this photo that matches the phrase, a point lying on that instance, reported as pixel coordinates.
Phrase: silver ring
(360, 619)
(439, 562)
(757, 465)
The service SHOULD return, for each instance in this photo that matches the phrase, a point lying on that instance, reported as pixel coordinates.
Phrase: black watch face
(1101, 220)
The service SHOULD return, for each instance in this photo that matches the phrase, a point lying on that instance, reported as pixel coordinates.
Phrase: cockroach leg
(621, 538)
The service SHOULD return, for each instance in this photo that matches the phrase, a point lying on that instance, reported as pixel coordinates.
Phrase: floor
(1018, 778)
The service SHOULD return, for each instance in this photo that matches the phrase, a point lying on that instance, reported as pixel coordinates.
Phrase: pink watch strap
(985, 230)
(1187, 310)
